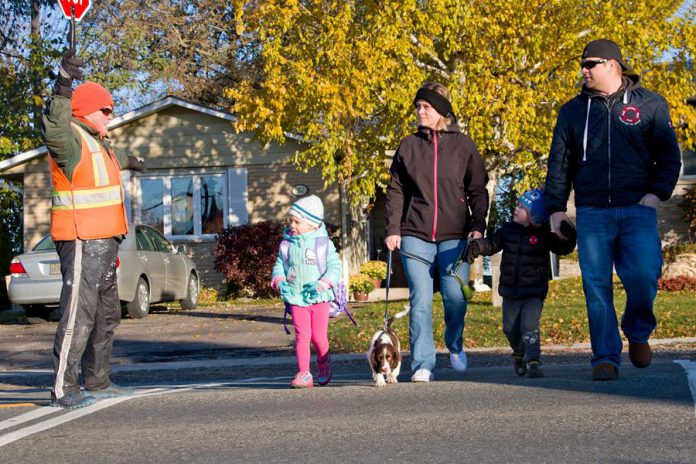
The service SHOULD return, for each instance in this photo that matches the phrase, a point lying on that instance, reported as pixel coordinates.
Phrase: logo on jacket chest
(310, 256)
(533, 239)
(630, 115)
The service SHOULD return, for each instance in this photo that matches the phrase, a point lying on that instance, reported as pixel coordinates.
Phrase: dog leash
(386, 289)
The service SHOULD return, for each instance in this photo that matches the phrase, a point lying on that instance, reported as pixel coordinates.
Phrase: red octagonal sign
(81, 7)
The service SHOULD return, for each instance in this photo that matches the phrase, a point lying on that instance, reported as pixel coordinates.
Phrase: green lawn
(564, 320)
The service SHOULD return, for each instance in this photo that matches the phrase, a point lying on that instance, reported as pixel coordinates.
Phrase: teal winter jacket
(302, 273)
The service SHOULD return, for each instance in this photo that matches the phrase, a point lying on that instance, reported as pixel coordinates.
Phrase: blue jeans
(624, 237)
(427, 258)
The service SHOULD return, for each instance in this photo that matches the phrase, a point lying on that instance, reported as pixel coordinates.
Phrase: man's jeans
(425, 259)
(627, 238)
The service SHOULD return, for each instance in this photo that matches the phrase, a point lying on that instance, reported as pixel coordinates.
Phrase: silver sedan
(150, 270)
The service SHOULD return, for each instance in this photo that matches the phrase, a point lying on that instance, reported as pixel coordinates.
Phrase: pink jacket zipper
(435, 185)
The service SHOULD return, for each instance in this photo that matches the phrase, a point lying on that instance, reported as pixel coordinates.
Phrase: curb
(284, 360)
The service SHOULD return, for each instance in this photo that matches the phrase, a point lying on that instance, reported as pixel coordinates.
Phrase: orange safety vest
(91, 206)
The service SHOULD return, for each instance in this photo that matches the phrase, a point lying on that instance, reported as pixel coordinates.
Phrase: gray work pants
(90, 312)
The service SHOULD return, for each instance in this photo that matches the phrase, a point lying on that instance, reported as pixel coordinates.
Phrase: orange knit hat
(90, 97)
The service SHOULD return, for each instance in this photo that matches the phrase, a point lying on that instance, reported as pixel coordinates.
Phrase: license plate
(54, 269)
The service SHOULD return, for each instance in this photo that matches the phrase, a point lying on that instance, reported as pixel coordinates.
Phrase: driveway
(204, 333)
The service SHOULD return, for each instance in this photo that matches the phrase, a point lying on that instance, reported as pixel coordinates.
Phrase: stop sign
(81, 7)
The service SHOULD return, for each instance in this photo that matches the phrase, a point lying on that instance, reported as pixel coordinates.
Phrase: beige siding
(37, 202)
(181, 138)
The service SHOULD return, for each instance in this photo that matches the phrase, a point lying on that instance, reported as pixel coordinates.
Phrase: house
(201, 177)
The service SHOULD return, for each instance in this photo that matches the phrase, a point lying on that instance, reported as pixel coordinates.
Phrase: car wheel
(37, 314)
(191, 300)
(140, 306)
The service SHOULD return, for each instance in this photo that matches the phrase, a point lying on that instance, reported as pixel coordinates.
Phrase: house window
(193, 205)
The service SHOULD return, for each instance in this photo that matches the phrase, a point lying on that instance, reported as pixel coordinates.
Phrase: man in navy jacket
(614, 144)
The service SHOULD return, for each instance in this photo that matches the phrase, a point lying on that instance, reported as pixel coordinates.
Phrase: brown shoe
(640, 354)
(605, 371)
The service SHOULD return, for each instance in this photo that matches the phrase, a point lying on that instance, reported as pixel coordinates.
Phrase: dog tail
(407, 309)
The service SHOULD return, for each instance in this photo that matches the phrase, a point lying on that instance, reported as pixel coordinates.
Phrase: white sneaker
(458, 361)
(422, 375)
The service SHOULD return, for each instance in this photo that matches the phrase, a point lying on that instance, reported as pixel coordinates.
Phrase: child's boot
(534, 370)
(302, 380)
(518, 363)
(325, 375)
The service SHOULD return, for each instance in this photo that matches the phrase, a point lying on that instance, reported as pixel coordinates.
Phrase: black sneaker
(112, 391)
(519, 364)
(74, 400)
(534, 370)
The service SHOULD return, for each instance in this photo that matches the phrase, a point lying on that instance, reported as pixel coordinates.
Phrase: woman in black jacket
(436, 199)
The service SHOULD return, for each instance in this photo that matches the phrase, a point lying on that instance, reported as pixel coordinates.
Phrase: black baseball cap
(605, 48)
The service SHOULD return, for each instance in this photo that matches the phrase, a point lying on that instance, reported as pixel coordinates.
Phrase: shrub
(670, 253)
(360, 283)
(246, 254)
(375, 269)
(677, 284)
(688, 205)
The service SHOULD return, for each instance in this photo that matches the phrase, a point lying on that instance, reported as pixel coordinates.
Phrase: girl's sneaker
(324, 376)
(302, 380)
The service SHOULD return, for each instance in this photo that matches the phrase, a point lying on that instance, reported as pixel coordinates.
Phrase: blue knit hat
(534, 202)
(310, 209)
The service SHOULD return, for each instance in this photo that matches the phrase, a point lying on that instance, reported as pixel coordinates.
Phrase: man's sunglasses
(107, 111)
(589, 64)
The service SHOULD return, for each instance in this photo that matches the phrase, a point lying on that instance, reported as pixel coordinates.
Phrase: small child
(308, 293)
(524, 274)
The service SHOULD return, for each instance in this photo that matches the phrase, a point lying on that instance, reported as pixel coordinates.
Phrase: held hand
(474, 234)
(322, 286)
(473, 251)
(556, 219)
(70, 65)
(393, 242)
(650, 200)
(568, 230)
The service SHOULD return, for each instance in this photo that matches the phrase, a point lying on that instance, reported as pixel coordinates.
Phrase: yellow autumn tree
(342, 74)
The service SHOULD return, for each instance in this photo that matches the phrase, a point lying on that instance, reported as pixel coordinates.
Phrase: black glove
(135, 163)
(568, 230)
(473, 250)
(69, 69)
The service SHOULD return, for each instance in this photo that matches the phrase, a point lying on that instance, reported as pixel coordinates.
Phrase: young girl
(296, 276)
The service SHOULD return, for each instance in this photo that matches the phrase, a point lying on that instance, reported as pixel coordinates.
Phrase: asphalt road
(238, 409)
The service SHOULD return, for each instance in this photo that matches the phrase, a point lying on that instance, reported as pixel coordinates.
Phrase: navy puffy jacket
(623, 148)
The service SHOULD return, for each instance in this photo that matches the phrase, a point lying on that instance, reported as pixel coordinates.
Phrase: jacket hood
(629, 83)
(427, 132)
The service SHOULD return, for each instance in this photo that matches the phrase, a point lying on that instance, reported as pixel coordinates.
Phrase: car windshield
(45, 244)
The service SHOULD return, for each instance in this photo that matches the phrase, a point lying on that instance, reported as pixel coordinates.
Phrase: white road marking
(71, 415)
(690, 368)
(27, 417)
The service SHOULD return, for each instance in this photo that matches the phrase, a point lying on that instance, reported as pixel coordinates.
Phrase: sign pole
(72, 28)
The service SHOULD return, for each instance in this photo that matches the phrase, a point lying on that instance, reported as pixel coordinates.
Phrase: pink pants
(311, 323)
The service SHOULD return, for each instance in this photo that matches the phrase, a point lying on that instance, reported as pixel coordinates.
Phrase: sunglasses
(107, 111)
(589, 64)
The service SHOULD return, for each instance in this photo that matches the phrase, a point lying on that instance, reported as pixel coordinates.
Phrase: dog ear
(395, 355)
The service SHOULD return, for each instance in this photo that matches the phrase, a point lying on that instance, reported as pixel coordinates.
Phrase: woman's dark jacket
(630, 149)
(525, 266)
(438, 187)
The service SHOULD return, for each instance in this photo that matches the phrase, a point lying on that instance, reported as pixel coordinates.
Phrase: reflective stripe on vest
(101, 176)
(82, 199)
